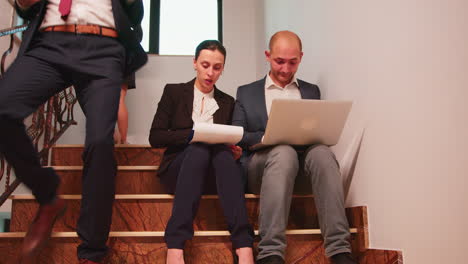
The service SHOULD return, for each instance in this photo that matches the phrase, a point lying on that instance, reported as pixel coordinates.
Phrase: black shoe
(273, 259)
(343, 258)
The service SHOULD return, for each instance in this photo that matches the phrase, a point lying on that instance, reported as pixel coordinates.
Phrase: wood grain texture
(152, 214)
(126, 155)
(137, 181)
(303, 249)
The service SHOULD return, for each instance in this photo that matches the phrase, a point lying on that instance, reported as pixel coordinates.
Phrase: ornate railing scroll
(46, 126)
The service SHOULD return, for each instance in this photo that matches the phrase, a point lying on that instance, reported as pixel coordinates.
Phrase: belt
(84, 29)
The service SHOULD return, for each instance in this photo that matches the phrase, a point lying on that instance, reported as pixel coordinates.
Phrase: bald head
(284, 56)
(286, 37)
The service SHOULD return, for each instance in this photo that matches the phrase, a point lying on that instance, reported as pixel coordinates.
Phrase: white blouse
(204, 106)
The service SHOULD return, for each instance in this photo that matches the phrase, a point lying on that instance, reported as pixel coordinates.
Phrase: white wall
(240, 37)
(404, 64)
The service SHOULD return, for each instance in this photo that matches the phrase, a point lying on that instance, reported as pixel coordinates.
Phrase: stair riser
(127, 182)
(153, 215)
(131, 156)
(303, 249)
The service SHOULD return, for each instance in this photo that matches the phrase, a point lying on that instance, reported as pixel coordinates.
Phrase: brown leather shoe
(39, 231)
(87, 261)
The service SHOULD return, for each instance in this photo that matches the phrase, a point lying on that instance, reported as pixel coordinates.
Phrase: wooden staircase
(141, 211)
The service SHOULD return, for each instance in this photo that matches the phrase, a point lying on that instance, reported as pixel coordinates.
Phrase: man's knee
(12, 111)
(281, 168)
(321, 165)
(284, 155)
(6, 119)
(10, 124)
(14, 107)
(320, 155)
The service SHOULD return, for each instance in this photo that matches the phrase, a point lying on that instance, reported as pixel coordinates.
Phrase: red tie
(64, 7)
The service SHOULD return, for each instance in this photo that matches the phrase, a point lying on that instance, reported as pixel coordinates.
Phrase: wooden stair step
(213, 233)
(139, 219)
(208, 247)
(151, 213)
(126, 155)
(129, 180)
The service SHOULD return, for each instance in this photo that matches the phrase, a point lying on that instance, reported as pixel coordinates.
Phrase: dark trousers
(54, 61)
(188, 174)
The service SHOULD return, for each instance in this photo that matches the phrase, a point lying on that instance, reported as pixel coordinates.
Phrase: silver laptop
(305, 122)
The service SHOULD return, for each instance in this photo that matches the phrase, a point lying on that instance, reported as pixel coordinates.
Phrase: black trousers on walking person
(194, 170)
(94, 66)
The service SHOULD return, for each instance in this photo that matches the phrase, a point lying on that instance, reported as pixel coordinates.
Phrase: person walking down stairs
(56, 53)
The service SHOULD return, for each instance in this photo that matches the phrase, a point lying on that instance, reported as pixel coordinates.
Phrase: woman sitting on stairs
(189, 170)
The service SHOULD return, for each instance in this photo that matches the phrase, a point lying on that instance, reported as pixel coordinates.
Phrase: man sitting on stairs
(273, 172)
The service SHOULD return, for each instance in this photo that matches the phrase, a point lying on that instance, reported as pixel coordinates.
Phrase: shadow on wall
(349, 161)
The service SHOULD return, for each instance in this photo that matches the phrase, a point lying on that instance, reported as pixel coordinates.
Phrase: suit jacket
(127, 24)
(172, 123)
(250, 112)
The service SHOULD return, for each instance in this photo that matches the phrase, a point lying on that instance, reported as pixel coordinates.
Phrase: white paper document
(217, 134)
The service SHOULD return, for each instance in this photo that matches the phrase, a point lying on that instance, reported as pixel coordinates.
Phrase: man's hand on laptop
(236, 151)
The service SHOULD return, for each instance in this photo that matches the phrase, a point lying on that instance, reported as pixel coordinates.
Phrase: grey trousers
(274, 172)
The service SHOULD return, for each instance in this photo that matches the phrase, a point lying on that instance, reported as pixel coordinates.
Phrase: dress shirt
(83, 12)
(205, 102)
(273, 91)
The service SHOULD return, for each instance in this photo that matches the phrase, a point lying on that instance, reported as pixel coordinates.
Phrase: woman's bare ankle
(245, 255)
(175, 256)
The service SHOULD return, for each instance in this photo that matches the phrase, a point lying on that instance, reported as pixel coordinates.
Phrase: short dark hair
(210, 45)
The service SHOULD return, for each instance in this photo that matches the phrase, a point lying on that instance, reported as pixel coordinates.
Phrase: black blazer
(172, 123)
(127, 24)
